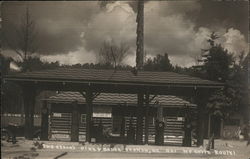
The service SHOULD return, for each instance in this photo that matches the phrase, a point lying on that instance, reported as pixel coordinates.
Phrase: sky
(73, 32)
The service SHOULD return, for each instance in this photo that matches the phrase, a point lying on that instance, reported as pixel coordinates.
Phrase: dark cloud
(222, 14)
(59, 24)
(76, 30)
(182, 28)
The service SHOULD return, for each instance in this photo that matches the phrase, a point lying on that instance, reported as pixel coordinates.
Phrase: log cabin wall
(60, 122)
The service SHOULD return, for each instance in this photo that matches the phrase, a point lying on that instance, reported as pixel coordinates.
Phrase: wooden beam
(44, 122)
(150, 100)
(95, 95)
(113, 87)
(83, 94)
(75, 122)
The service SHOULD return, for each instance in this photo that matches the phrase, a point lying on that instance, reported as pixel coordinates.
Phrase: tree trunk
(140, 36)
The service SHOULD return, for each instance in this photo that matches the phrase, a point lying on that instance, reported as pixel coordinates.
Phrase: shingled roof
(118, 99)
(111, 76)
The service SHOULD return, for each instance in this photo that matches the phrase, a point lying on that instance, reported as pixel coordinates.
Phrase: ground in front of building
(224, 149)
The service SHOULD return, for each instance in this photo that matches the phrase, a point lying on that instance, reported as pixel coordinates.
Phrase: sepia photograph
(125, 79)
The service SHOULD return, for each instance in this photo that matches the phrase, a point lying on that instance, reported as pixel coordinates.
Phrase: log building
(92, 82)
(115, 112)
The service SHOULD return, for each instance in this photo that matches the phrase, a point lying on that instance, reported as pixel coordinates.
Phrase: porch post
(44, 122)
(139, 121)
(89, 111)
(75, 123)
(201, 101)
(49, 105)
(209, 126)
(200, 125)
(146, 118)
(29, 94)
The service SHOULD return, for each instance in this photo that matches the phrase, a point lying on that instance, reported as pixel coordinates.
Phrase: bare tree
(24, 42)
(22, 39)
(113, 54)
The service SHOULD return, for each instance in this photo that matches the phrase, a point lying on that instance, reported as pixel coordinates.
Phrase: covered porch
(91, 83)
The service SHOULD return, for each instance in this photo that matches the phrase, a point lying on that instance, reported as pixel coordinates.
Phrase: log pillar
(44, 122)
(201, 98)
(49, 120)
(146, 117)
(75, 123)
(200, 125)
(139, 121)
(89, 112)
(187, 141)
(29, 95)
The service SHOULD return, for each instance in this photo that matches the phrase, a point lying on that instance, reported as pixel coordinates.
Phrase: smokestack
(140, 36)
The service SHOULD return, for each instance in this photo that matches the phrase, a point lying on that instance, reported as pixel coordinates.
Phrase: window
(83, 118)
(117, 123)
(102, 112)
(57, 115)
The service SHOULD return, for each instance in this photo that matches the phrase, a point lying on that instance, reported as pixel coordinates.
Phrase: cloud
(130, 59)
(64, 27)
(234, 41)
(81, 55)
(58, 24)
(10, 53)
(74, 31)
(172, 32)
(168, 8)
(186, 61)
(222, 14)
(116, 23)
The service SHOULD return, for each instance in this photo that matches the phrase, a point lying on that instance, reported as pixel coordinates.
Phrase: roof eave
(132, 83)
